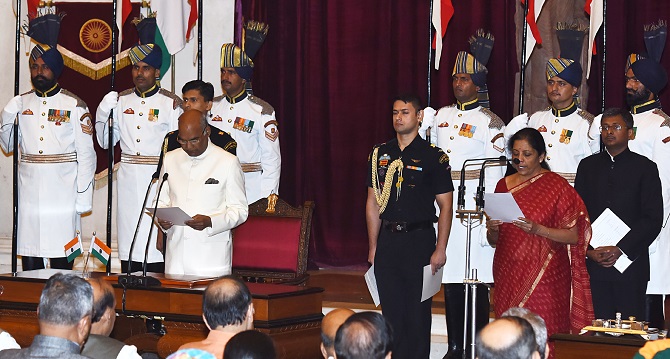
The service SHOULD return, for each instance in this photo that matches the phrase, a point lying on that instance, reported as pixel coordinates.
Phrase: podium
(291, 315)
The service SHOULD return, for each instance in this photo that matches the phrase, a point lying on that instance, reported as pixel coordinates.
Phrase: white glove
(109, 102)
(15, 105)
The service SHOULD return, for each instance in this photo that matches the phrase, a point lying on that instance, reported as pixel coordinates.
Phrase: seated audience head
(538, 324)
(227, 305)
(104, 314)
(507, 337)
(65, 308)
(365, 335)
(250, 344)
(329, 325)
(197, 95)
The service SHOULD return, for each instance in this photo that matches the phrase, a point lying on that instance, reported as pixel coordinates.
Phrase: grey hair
(536, 321)
(65, 299)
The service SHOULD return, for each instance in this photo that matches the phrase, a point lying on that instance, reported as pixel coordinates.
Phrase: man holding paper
(406, 175)
(628, 184)
(207, 183)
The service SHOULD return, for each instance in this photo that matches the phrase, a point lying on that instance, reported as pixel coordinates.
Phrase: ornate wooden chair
(272, 245)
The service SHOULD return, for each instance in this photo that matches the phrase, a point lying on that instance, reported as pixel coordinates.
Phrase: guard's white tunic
(211, 184)
(252, 124)
(652, 140)
(51, 195)
(565, 133)
(141, 122)
(468, 131)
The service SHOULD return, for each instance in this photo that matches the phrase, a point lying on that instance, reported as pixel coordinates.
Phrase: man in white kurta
(57, 162)
(651, 138)
(251, 122)
(141, 117)
(207, 183)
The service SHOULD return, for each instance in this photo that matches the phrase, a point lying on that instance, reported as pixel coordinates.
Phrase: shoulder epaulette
(28, 93)
(80, 102)
(586, 115)
(166, 140)
(445, 107)
(548, 108)
(126, 92)
(176, 100)
(496, 122)
(266, 108)
(665, 116)
(218, 98)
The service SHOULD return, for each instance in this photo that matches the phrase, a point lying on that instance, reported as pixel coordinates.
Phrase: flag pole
(522, 75)
(110, 139)
(15, 135)
(199, 39)
(430, 51)
(603, 92)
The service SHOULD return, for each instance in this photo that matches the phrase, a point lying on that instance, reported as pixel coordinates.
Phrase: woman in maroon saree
(539, 262)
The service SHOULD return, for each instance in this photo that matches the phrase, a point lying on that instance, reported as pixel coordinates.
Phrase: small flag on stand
(100, 250)
(73, 248)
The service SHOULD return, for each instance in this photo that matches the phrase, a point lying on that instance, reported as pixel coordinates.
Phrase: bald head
(193, 132)
(329, 325)
(227, 304)
(507, 337)
(104, 302)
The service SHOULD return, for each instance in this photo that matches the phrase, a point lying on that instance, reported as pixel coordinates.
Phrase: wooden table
(291, 315)
(592, 345)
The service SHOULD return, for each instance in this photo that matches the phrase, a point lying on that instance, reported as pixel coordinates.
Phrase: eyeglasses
(615, 127)
(193, 141)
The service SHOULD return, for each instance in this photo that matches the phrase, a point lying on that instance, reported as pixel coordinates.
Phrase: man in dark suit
(628, 184)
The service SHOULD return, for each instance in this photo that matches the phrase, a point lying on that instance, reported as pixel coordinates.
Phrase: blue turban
(651, 74)
(148, 53)
(51, 57)
(568, 70)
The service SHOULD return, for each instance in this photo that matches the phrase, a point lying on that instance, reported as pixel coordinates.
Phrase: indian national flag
(100, 250)
(73, 249)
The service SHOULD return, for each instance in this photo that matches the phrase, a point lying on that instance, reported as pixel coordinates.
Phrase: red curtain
(331, 68)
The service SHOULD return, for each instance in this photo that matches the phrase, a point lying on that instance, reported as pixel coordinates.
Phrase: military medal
(243, 125)
(153, 114)
(58, 116)
(565, 136)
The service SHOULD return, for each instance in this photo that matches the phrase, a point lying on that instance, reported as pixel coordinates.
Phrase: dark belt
(404, 227)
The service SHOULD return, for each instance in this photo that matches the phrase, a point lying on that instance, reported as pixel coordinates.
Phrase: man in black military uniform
(198, 95)
(405, 177)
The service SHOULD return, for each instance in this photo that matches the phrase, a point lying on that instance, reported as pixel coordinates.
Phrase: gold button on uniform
(448, 151)
(141, 113)
(455, 126)
(43, 114)
(556, 120)
(137, 153)
(550, 145)
(138, 127)
(231, 107)
(451, 138)
(548, 158)
(460, 115)
(143, 102)
(41, 138)
(42, 126)
(230, 120)
(44, 102)
(553, 132)
(40, 151)
(138, 140)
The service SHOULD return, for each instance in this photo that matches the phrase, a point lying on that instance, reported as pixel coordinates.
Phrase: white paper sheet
(607, 230)
(173, 214)
(502, 206)
(371, 281)
(431, 283)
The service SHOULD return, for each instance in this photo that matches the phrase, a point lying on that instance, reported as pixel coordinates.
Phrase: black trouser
(454, 302)
(32, 263)
(654, 311)
(399, 263)
(156, 267)
(625, 297)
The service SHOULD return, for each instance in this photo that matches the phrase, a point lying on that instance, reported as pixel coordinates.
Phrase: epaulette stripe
(586, 115)
(218, 98)
(80, 102)
(496, 122)
(28, 93)
(266, 108)
(661, 113)
(126, 92)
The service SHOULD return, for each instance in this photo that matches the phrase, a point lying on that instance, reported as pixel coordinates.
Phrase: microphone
(479, 199)
(145, 281)
(516, 161)
(461, 187)
(139, 222)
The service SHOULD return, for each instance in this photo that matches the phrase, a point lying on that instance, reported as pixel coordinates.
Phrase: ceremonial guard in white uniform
(468, 130)
(208, 184)
(57, 159)
(249, 120)
(564, 126)
(142, 116)
(645, 78)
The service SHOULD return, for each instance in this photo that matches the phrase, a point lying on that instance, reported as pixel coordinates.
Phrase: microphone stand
(468, 219)
(127, 280)
(145, 281)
